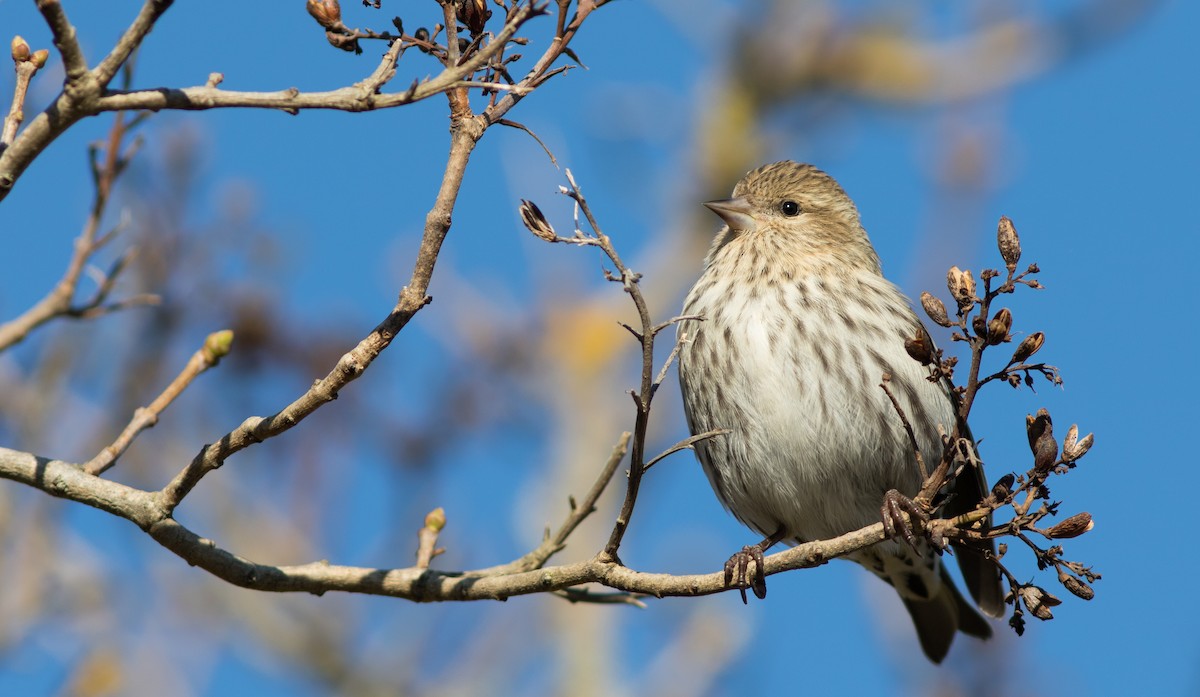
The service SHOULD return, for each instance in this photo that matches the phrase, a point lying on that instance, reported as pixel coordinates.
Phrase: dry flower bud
(1040, 430)
(533, 218)
(474, 14)
(1039, 602)
(436, 519)
(1074, 526)
(1009, 243)
(328, 13)
(980, 325)
(935, 309)
(20, 50)
(1078, 588)
(1028, 346)
(997, 331)
(1004, 487)
(40, 57)
(1079, 449)
(918, 348)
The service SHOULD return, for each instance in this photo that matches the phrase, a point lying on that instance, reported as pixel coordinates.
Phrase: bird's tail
(943, 615)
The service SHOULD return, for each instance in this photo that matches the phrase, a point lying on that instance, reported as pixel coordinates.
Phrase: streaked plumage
(799, 327)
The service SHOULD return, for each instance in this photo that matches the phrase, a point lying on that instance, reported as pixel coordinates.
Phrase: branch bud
(935, 309)
(40, 57)
(1074, 526)
(217, 345)
(1028, 346)
(997, 331)
(20, 50)
(1009, 243)
(436, 519)
(533, 218)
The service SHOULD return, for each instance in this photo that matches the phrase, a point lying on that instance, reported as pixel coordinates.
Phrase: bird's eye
(789, 208)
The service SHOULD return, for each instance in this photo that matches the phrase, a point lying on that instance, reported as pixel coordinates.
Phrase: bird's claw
(895, 505)
(739, 564)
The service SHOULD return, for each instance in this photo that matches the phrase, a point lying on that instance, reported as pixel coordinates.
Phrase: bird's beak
(735, 212)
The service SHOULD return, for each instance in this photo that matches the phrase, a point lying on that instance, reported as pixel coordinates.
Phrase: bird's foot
(895, 505)
(738, 566)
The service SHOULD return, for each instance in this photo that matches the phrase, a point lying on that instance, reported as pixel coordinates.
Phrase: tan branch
(74, 64)
(147, 511)
(215, 347)
(130, 40)
(25, 70)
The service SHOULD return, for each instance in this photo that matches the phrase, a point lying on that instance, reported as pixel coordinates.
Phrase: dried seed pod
(1004, 487)
(1028, 346)
(328, 13)
(1070, 439)
(954, 282)
(1039, 602)
(1078, 588)
(1040, 430)
(968, 289)
(533, 218)
(962, 287)
(474, 14)
(980, 325)
(997, 330)
(1079, 449)
(935, 309)
(1009, 243)
(918, 349)
(1074, 526)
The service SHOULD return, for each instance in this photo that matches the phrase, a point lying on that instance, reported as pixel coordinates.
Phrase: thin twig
(25, 70)
(686, 444)
(216, 345)
(912, 437)
(74, 64)
(523, 127)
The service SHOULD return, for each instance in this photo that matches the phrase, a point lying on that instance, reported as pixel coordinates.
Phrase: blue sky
(1096, 163)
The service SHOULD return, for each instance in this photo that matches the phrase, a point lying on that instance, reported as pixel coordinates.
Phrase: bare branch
(686, 444)
(215, 347)
(147, 511)
(65, 40)
(130, 40)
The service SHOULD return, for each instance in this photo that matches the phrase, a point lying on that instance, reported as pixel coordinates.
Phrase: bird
(784, 341)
